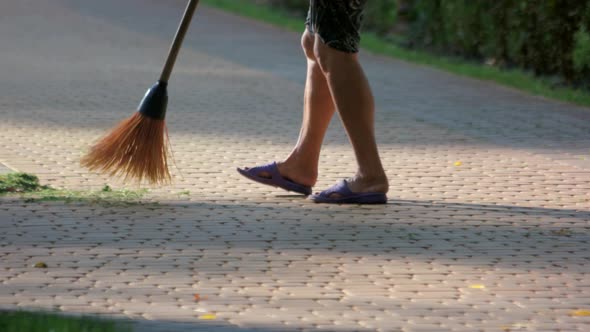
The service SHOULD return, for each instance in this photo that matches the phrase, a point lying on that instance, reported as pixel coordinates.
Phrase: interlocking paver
(513, 217)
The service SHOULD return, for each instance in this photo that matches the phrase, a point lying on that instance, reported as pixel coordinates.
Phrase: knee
(307, 43)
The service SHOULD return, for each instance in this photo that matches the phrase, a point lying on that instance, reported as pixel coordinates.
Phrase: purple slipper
(275, 180)
(346, 196)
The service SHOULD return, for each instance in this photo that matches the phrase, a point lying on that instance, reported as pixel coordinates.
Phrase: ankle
(372, 176)
(304, 174)
(377, 181)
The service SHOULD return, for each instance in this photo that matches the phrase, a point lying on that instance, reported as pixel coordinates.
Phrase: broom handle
(178, 38)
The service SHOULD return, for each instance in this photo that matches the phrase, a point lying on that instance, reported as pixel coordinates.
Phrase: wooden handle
(178, 38)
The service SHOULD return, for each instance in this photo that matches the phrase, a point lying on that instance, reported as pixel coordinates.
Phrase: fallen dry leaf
(477, 286)
(458, 163)
(562, 232)
(580, 313)
(40, 265)
(514, 327)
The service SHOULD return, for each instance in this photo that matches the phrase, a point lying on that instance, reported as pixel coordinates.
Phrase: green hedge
(547, 37)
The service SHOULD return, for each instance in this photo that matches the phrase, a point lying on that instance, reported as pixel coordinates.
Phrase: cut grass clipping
(21, 321)
(27, 186)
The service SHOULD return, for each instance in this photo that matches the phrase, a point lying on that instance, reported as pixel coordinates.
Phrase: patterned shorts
(337, 22)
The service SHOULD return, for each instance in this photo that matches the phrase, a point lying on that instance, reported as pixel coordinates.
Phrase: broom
(138, 147)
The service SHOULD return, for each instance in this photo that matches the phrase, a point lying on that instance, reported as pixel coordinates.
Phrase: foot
(341, 193)
(364, 184)
(369, 184)
(269, 174)
(292, 173)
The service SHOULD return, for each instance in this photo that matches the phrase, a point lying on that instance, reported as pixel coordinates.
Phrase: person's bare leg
(301, 166)
(354, 101)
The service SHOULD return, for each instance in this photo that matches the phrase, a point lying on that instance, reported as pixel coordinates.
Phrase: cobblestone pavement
(498, 243)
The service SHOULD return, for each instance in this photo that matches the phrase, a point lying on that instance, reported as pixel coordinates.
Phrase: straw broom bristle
(136, 149)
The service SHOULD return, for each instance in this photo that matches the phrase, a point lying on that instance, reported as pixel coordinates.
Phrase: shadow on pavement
(422, 230)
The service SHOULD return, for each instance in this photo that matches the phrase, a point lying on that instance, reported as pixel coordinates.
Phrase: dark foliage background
(547, 37)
